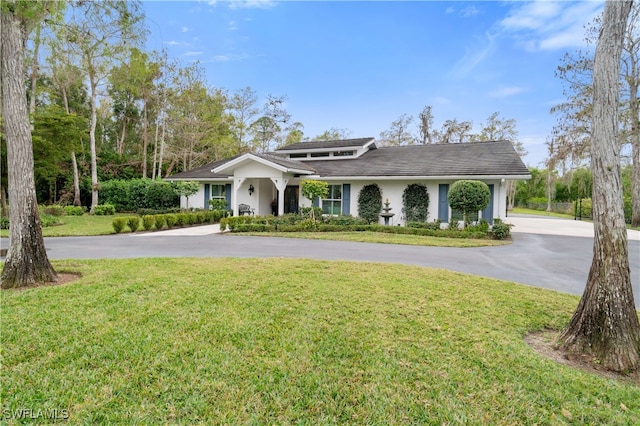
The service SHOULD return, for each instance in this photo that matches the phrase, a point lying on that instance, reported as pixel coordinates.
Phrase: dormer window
(344, 153)
(298, 155)
(319, 154)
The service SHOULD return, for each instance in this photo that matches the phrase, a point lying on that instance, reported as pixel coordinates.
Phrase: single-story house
(270, 183)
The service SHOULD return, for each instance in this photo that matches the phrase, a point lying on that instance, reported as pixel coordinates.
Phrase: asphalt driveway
(546, 252)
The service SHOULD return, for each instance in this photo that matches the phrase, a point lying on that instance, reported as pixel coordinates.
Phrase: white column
(237, 183)
(281, 184)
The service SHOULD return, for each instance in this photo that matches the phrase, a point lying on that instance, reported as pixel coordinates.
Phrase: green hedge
(289, 223)
(134, 194)
(169, 220)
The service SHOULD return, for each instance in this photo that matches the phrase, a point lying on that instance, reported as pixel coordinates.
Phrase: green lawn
(522, 210)
(383, 238)
(282, 341)
(77, 226)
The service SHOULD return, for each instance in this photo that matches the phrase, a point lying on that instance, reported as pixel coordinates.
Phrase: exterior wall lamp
(251, 189)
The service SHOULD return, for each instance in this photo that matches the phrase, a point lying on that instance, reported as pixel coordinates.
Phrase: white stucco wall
(265, 192)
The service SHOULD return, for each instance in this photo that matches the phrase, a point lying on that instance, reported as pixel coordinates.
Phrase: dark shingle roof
(463, 159)
(204, 172)
(497, 158)
(326, 144)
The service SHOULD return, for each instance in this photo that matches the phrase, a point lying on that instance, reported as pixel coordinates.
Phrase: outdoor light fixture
(251, 189)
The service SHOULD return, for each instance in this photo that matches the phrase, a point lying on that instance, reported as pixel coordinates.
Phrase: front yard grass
(523, 210)
(383, 238)
(77, 226)
(282, 341)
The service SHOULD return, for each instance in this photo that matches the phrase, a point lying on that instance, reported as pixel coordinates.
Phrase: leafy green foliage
(415, 202)
(160, 221)
(54, 210)
(313, 189)
(217, 204)
(104, 210)
(134, 194)
(148, 222)
(119, 223)
(172, 219)
(133, 222)
(74, 210)
(370, 203)
(469, 196)
(501, 230)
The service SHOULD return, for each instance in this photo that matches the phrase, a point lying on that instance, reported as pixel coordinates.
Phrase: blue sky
(359, 65)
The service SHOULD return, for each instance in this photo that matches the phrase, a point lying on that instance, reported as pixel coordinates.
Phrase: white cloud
(185, 29)
(251, 4)
(546, 25)
(474, 56)
(193, 53)
(229, 58)
(450, 10)
(232, 26)
(504, 92)
(469, 11)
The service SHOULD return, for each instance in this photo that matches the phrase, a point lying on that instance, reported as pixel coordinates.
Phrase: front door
(291, 199)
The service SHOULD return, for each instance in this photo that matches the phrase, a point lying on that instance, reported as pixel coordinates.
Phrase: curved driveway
(543, 259)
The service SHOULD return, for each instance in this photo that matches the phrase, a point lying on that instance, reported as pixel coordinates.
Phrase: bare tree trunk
(34, 74)
(145, 143)
(76, 180)
(27, 260)
(4, 211)
(155, 154)
(605, 324)
(161, 147)
(92, 145)
(123, 134)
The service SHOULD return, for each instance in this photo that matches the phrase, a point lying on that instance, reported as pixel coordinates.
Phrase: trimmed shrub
(160, 221)
(254, 227)
(171, 219)
(469, 196)
(133, 222)
(501, 230)
(343, 220)
(53, 210)
(49, 220)
(119, 223)
(182, 219)
(435, 225)
(4, 222)
(104, 210)
(370, 203)
(148, 222)
(415, 202)
(74, 210)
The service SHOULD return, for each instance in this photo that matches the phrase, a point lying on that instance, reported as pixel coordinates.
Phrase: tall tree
(454, 131)
(605, 324)
(398, 132)
(27, 260)
(243, 108)
(425, 126)
(333, 134)
(100, 34)
(574, 115)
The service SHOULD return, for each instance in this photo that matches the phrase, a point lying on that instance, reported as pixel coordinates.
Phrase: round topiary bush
(370, 203)
(469, 196)
(415, 203)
